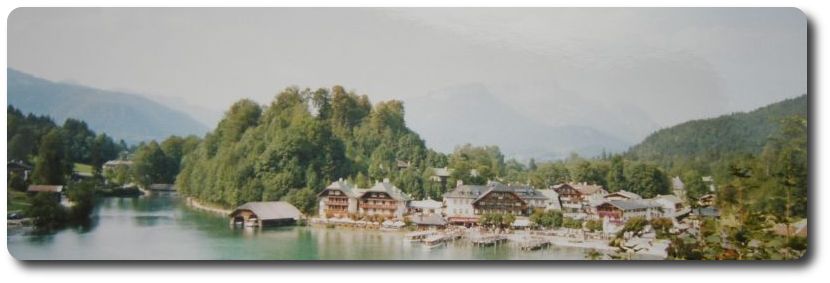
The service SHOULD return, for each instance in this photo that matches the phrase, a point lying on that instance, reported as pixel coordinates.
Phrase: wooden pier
(487, 241)
(534, 244)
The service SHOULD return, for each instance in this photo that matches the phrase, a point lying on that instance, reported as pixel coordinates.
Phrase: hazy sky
(666, 65)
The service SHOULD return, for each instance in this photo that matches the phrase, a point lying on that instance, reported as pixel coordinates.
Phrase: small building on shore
(427, 206)
(428, 221)
(55, 190)
(162, 187)
(265, 213)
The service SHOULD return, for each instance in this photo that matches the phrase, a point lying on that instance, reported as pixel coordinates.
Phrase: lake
(162, 226)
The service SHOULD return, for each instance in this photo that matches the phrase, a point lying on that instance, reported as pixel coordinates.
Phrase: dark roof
(266, 210)
(18, 164)
(631, 204)
(706, 212)
(478, 191)
(467, 191)
(44, 189)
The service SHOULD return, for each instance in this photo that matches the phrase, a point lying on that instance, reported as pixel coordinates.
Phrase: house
(710, 182)
(705, 212)
(678, 187)
(706, 200)
(383, 199)
(55, 190)
(672, 206)
(440, 175)
(428, 221)
(552, 203)
(162, 187)
(577, 198)
(113, 164)
(265, 213)
(403, 164)
(19, 168)
(337, 200)
(619, 211)
(466, 202)
(427, 206)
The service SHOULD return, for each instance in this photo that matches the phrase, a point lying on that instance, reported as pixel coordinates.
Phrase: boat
(418, 236)
(434, 241)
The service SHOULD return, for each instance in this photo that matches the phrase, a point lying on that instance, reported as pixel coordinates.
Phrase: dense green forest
(701, 142)
(295, 146)
(54, 149)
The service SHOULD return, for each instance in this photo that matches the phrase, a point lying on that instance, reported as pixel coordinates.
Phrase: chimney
(459, 183)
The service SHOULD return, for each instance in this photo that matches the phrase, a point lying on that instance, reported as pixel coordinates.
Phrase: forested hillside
(709, 140)
(299, 143)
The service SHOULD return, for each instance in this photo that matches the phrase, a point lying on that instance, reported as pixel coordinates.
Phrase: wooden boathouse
(265, 213)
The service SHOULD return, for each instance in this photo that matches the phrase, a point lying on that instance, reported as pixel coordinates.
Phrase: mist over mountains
(473, 114)
(126, 116)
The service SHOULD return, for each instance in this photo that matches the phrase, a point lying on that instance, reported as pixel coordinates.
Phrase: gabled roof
(631, 204)
(582, 188)
(478, 191)
(625, 194)
(671, 198)
(466, 191)
(588, 189)
(388, 188)
(44, 189)
(267, 210)
(342, 186)
(426, 204)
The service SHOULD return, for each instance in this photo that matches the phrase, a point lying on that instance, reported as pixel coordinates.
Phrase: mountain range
(126, 116)
(473, 114)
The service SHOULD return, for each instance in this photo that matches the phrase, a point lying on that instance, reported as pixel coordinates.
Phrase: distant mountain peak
(122, 115)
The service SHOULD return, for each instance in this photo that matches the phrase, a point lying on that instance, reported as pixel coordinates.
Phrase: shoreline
(192, 202)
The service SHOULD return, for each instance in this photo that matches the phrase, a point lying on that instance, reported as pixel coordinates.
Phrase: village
(590, 217)
(499, 214)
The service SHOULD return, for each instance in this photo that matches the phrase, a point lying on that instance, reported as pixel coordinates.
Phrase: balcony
(378, 206)
(337, 202)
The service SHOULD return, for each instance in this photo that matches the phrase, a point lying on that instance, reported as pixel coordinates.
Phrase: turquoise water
(162, 227)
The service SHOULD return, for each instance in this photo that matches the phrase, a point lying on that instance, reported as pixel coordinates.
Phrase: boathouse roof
(269, 210)
(44, 189)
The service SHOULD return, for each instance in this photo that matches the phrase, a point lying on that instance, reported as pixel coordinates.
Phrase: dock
(534, 244)
(489, 240)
